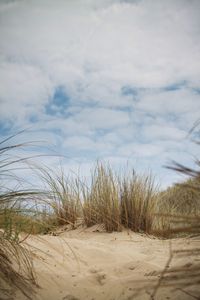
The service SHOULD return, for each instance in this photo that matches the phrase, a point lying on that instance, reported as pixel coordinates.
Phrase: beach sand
(91, 264)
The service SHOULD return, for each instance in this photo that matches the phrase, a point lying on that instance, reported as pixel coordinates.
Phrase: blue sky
(113, 80)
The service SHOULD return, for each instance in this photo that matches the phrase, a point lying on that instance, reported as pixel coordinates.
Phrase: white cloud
(177, 102)
(102, 118)
(140, 150)
(23, 92)
(163, 132)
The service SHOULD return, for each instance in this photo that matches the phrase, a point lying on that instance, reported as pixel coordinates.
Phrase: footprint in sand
(99, 275)
(101, 278)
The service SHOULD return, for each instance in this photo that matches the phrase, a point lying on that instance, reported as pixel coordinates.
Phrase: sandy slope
(85, 264)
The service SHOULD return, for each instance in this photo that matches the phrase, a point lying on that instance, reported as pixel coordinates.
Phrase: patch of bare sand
(85, 264)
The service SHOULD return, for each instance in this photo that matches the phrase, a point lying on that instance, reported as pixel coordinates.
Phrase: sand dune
(87, 264)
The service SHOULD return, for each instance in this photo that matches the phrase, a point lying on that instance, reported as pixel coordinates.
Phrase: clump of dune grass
(101, 201)
(109, 199)
(114, 201)
(63, 197)
(119, 202)
(138, 203)
(179, 208)
(181, 196)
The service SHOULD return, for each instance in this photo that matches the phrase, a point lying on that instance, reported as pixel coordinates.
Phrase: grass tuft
(63, 197)
(138, 203)
(101, 200)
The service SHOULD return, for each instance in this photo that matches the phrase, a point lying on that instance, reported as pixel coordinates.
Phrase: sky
(110, 80)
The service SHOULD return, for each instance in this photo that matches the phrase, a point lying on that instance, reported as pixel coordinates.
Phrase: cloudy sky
(117, 80)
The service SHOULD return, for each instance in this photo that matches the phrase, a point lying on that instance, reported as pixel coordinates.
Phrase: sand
(88, 264)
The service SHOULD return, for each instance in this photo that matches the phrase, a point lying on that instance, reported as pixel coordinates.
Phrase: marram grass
(101, 199)
(16, 269)
(117, 202)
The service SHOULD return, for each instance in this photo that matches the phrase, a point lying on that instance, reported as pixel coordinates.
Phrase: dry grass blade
(138, 203)
(118, 203)
(101, 200)
(16, 269)
(185, 218)
(63, 197)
